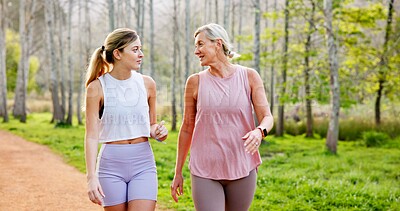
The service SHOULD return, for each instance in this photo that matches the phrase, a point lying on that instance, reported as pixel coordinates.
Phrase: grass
(296, 174)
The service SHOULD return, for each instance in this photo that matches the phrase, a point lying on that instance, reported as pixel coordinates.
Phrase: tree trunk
(239, 47)
(206, 12)
(129, 12)
(3, 77)
(187, 52)
(383, 65)
(257, 25)
(309, 130)
(233, 22)
(216, 11)
(281, 109)
(81, 70)
(49, 16)
(226, 14)
(70, 65)
(58, 13)
(272, 85)
(333, 130)
(111, 20)
(25, 30)
(175, 65)
(187, 40)
(119, 14)
(19, 109)
(142, 16)
(152, 68)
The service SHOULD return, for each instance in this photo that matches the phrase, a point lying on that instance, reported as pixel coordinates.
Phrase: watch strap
(264, 131)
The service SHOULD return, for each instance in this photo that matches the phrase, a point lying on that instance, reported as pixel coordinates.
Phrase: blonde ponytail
(97, 66)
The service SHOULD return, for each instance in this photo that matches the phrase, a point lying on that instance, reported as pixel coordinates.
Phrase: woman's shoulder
(248, 70)
(148, 79)
(193, 79)
(94, 84)
(94, 88)
(252, 74)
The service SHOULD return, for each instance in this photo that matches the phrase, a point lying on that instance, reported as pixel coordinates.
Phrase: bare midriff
(130, 141)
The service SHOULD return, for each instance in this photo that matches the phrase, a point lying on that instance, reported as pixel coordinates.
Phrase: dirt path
(34, 178)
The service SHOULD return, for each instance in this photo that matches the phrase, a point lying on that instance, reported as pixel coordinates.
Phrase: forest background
(330, 68)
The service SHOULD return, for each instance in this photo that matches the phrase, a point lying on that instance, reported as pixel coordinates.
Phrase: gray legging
(220, 195)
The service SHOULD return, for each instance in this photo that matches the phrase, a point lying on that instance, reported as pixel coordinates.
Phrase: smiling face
(131, 56)
(205, 49)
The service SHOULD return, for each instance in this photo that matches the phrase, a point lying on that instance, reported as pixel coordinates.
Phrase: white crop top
(126, 109)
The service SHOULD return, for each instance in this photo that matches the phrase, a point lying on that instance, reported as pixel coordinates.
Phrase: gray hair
(213, 32)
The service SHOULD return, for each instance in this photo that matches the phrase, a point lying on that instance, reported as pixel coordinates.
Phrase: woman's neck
(221, 70)
(120, 73)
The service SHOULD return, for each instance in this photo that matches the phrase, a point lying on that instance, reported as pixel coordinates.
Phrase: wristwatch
(264, 131)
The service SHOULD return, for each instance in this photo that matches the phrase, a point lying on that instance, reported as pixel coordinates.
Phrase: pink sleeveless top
(224, 116)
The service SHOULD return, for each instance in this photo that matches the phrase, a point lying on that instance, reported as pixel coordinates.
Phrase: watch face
(265, 132)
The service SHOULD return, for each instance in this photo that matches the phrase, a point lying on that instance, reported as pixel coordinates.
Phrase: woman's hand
(160, 132)
(95, 192)
(252, 141)
(177, 187)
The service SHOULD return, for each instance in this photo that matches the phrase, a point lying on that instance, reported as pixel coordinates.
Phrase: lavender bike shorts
(127, 172)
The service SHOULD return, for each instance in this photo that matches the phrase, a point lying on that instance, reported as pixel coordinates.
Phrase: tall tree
(333, 129)
(272, 84)
(26, 16)
(128, 9)
(216, 11)
(81, 72)
(60, 20)
(70, 65)
(19, 109)
(187, 53)
(187, 39)
(257, 28)
(239, 46)
(111, 18)
(281, 108)
(152, 66)
(175, 64)
(226, 14)
(49, 16)
(119, 14)
(307, 68)
(3, 78)
(233, 23)
(383, 64)
(140, 16)
(206, 12)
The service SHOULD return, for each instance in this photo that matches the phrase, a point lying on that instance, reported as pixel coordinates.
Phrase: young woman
(121, 115)
(218, 127)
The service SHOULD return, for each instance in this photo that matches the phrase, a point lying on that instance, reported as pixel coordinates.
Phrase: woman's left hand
(252, 141)
(160, 132)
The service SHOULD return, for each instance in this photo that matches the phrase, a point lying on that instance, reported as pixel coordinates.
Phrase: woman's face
(132, 55)
(205, 49)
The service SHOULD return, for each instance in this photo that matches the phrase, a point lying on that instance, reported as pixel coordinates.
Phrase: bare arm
(261, 107)
(157, 131)
(259, 99)
(185, 134)
(94, 96)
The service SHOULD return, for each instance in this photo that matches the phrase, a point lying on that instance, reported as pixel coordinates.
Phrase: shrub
(374, 139)
(294, 128)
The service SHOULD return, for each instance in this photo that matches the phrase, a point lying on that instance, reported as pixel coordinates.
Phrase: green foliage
(295, 128)
(34, 65)
(375, 139)
(296, 173)
(13, 56)
(13, 52)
